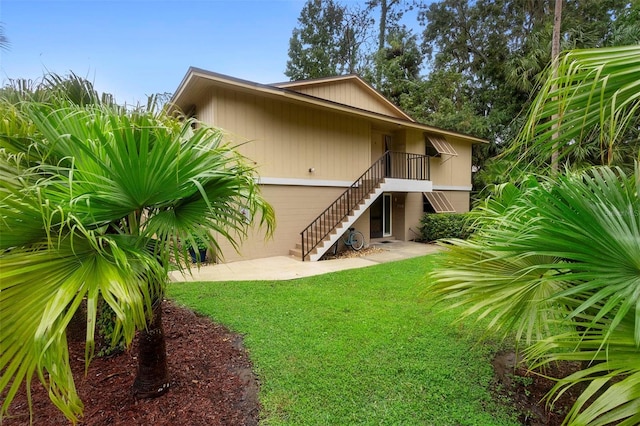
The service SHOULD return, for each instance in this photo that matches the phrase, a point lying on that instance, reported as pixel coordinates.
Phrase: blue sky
(138, 47)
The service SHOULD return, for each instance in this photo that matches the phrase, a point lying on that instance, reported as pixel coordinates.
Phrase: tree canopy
(327, 41)
(470, 66)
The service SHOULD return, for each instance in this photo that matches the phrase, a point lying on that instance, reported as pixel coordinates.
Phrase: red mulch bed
(211, 382)
(527, 389)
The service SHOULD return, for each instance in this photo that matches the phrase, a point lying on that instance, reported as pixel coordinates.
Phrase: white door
(386, 215)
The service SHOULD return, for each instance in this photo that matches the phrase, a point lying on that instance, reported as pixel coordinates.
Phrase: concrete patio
(288, 267)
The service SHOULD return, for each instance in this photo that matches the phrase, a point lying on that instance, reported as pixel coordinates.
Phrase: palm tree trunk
(555, 52)
(152, 379)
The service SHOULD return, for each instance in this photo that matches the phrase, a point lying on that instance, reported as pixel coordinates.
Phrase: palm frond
(594, 100)
(612, 374)
(565, 251)
(40, 292)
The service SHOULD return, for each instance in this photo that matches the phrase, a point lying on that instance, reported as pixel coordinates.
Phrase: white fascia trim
(304, 182)
(406, 185)
(451, 188)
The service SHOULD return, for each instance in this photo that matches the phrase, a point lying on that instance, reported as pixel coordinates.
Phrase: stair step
(342, 223)
(297, 252)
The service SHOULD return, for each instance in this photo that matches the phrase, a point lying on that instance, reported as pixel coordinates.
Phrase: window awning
(439, 202)
(440, 144)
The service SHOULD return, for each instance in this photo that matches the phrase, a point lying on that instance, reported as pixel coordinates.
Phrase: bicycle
(353, 239)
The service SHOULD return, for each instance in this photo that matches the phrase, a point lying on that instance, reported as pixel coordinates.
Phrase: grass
(363, 346)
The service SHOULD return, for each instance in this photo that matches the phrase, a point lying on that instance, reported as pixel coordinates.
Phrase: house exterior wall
(460, 200)
(295, 207)
(449, 170)
(414, 211)
(450, 174)
(363, 225)
(286, 140)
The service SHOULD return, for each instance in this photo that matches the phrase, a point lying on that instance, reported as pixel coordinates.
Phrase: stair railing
(396, 165)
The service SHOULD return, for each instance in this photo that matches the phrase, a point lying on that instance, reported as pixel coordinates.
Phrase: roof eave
(291, 95)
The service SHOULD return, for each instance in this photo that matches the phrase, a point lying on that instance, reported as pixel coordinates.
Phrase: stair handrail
(382, 168)
(321, 224)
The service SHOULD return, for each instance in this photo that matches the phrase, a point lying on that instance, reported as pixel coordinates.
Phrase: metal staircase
(329, 226)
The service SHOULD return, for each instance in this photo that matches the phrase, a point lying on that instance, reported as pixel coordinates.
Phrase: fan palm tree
(557, 260)
(4, 41)
(594, 102)
(95, 203)
(54, 87)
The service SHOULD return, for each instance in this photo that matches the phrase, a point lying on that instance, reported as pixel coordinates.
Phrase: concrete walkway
(288, 267)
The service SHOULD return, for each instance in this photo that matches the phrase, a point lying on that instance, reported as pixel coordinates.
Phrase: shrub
(108, 343)
(445, 225)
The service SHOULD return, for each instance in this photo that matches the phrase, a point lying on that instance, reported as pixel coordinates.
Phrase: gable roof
(354, 81)
(197, 81)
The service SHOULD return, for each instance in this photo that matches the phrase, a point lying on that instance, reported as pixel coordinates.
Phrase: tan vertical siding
(413, 213)
(348, 93)
(459, 200)
(205, 110)
(285, 140)
(295, 207)
(414, 141)
(377, 145)
(453, 170)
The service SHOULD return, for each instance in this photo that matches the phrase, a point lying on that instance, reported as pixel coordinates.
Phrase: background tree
(397, 68)
(334, 39)
(478, 38)
(326, 42)
(476, 65)
(356, 39)
(100, 202)
(389, 16)
(625, 29)
(500, 50)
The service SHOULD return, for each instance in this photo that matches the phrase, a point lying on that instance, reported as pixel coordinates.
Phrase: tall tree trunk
(382, 30)
(555, 52)
(152, 379)
(384, 10)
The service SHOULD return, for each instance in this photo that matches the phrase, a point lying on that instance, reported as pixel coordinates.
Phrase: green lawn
(363, 346)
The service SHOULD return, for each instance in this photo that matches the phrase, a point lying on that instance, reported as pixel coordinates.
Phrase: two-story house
(332, 153)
